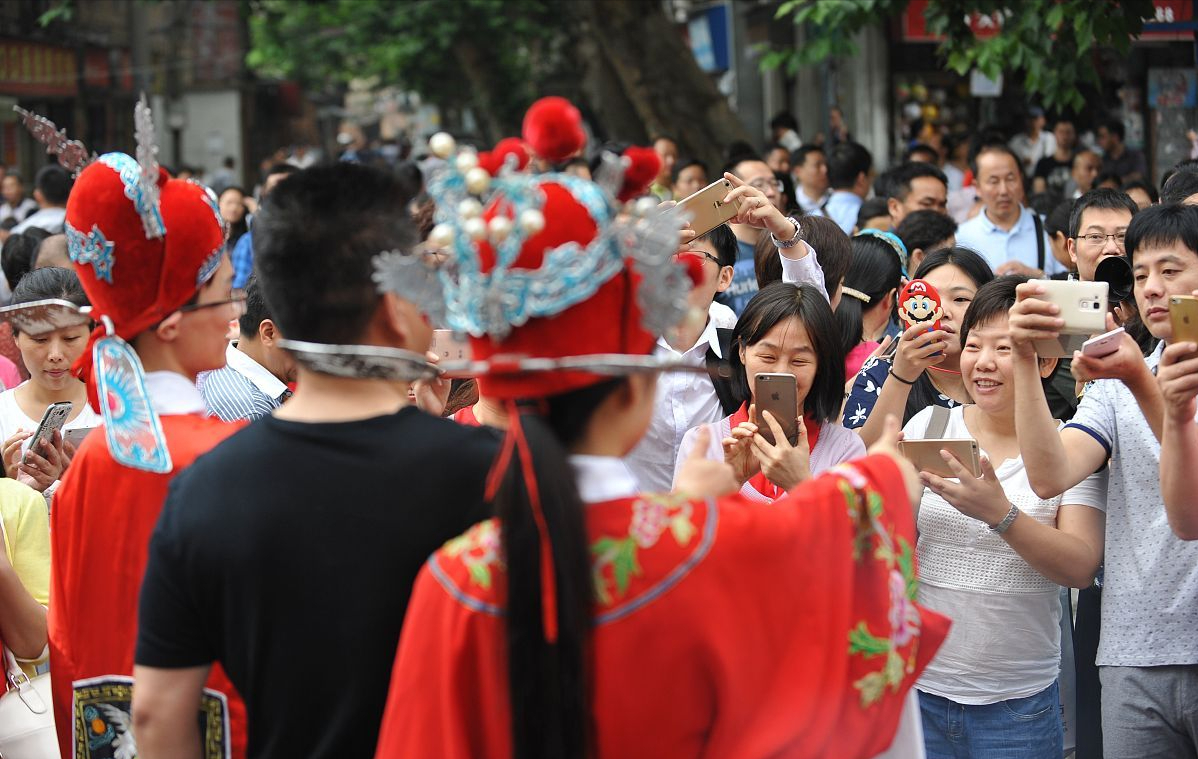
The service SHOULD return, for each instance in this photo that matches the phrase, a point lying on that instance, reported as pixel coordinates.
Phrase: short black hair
(282, 168)
(832, 247)
(1140, 184)
(1181, 185)
(1103, 198)
(920, 147)
(682, 166)
(736, 159)
(16, 257)
(782, 300)
(974, 266)
(315, 240)
(870, 209)
(55, 183)
(995, 146)
(724, 242)
(256, 309)
(1163, 225)
(1114, 126)
(784, 120)
(995, 298)
(922, 229)
(846, 162)
(1057, 222)
(799, 157)
(898, 180)
(1108, 176)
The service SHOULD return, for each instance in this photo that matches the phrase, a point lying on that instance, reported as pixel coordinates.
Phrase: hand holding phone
(925, 455)
(1183, 314)
(1104, 344)
(777, 394)
(707, 209)
(919, 303)
(52, 421)
(1082, 307)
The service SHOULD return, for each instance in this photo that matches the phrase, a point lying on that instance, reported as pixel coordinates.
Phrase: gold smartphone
(925, 455)
(777, 394)
(1083, 307)
(707, 209)
(1183, 313)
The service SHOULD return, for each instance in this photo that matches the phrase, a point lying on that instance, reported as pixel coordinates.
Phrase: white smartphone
(76, 436)
(1102, 345)
(55, 416)
(1083, 307)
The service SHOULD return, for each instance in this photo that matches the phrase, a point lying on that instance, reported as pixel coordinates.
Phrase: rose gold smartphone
(447, 347)
(707, 208)
(925, 455)
(1183, 313)
(776, 393)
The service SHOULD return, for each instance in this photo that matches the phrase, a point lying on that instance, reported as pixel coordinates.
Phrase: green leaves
(1049, 41)
(862, 641)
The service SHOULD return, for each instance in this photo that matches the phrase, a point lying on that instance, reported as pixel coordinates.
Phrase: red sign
(915, 26)
(31, 68)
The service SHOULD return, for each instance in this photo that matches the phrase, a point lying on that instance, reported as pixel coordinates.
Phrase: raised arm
(1055, 461)
(800, 266)
(1178, 380)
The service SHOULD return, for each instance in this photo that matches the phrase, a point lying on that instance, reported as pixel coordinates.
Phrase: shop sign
(1173, 19)
(31, 68)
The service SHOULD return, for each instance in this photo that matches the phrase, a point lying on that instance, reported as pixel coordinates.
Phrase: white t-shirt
(1005, 640)
(13, 418)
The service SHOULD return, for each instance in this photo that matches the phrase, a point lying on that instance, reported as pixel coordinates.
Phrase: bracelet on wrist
(900, 379)
(1007, 521)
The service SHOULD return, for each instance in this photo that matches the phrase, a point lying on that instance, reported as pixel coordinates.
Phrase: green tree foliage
(1050, 41)
(429, 46)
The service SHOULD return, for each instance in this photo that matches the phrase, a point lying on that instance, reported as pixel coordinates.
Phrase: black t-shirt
(288, 554)
(1056, 174)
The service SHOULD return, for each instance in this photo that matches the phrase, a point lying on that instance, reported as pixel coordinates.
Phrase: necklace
(946, 371)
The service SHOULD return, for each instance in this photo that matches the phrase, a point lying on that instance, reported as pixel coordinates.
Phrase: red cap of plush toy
(553, 129)
(643, 166)
(495, 159)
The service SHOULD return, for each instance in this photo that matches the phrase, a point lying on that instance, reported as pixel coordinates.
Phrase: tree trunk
(644, 81)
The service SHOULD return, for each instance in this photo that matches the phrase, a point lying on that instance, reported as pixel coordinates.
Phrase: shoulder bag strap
(721, 373)
(938, 423)
(1039, 241)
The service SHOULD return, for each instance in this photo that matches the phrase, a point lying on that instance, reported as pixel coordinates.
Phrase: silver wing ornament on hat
(41, 316)
(72, 155)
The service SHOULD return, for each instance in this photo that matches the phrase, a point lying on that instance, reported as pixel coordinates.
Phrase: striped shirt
(243, 389)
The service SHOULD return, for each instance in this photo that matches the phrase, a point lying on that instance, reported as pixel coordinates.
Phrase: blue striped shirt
(243, 389)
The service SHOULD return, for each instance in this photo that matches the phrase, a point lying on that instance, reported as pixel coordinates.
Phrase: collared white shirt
(49, 219)
(811, 207)
(998, 245)
(602, 478)
(172, 394)
(683, 400)
(842, 207)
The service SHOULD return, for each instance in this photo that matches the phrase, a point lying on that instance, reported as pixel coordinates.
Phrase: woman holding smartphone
(785, 329)
(48, 356)
(993, 556)
(924, 369)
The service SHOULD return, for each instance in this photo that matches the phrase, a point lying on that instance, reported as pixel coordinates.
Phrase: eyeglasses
(1095, 238)
(765, 184)
(697, 253)
(236, 301)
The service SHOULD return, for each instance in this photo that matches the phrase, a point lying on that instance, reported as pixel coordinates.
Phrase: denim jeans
(1018, 728)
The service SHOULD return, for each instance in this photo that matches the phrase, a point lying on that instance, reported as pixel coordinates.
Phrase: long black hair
(783, 300)
(875, 271)
(923, 392)
(549, 683)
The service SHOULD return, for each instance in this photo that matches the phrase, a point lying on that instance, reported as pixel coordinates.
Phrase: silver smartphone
(55, 416)
(1083, 307)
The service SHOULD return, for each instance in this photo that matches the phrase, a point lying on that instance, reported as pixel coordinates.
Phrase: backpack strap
(720, 371)
(938, 424)
(1039, 241)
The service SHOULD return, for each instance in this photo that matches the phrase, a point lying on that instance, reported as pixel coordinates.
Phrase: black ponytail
(549, 684)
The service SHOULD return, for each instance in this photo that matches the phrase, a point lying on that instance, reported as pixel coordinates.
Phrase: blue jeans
(1018, 728)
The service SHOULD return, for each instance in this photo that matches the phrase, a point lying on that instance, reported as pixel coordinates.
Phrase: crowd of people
(474, 459)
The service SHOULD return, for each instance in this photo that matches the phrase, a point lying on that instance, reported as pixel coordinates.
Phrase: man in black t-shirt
(1053, 173)
(287, 553)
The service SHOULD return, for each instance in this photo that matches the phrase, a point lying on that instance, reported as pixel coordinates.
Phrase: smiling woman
(786, 329)
(48, 356)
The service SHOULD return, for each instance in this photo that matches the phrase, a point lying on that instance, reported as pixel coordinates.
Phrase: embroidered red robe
(722, 628)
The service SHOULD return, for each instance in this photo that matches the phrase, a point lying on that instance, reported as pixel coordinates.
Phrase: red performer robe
(722, 629)
(100, 526)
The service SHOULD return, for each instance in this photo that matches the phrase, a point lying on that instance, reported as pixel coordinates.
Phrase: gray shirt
(1150, 593)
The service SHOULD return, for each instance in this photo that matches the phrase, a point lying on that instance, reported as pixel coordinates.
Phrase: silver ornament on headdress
(409, 276)
(147, 161)
(361, 361)
(72, 155)
(41, 316)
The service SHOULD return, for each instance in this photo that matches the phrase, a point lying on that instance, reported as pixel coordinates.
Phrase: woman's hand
(738, 449)
(756, 210)
(43, 466)
(981, 498)
(12, 453)
(431, 394)
(701, 477)
(783, 464)
(917, 350)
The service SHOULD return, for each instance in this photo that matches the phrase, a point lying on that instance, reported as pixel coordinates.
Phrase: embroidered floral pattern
(865, 508)
(614, 560)
(479, 550)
